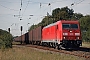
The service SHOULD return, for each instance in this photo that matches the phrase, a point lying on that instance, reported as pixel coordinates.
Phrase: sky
(33, 11)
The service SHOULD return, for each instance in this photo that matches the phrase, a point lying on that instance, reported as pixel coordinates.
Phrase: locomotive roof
(63, 21)
(50, 25)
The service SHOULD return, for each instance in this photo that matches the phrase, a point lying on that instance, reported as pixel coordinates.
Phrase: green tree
(55, 14)
(84, 23)
(85, 27)
(47, 20)
(63, 13)
(88, 35)
(5, 39)
(77, 16)
(68, 13)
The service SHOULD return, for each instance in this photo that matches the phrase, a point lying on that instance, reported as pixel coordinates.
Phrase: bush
(5, 39)
(85, 28)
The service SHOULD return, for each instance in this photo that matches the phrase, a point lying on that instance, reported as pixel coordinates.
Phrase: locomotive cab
(71, 35)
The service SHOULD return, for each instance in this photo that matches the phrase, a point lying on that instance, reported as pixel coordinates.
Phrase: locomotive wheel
(59, 47)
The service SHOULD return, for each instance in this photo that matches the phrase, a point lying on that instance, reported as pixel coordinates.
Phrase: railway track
(80, 52)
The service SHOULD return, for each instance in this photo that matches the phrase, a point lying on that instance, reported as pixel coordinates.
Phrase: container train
(60, 34)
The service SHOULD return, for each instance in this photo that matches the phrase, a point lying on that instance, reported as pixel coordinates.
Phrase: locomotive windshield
(70, 26)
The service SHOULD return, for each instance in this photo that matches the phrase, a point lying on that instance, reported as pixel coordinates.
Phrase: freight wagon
(22, 39)
(35, 35)
(17, 39)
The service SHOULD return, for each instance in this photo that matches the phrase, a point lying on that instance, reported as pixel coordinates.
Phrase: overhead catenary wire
(21, 3)
(32, 2)
(8, 2)
(26, 7)
(43, 3)
(56, 1)
(28, 4)
(80, 2)
(76, 3)
(8, 8)
(50, 3)
(20, 10)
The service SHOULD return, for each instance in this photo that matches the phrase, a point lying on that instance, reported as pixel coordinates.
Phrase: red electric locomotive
(62, 34)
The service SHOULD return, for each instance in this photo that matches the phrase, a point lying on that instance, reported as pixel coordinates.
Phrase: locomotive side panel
(49, 34)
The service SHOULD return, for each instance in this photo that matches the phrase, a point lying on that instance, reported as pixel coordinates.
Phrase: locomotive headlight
(65, 34)
(77, 38)
(64, 37)
(77, 34)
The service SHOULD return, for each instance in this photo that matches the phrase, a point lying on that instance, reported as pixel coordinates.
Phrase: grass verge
(86, 44)
(27, 53)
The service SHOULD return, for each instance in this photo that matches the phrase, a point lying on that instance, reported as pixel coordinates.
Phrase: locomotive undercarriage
(63, 44)
(71, 43)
